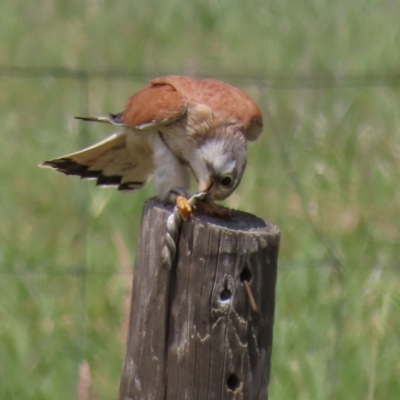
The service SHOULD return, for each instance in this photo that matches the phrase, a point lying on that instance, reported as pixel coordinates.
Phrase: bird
(175, 127)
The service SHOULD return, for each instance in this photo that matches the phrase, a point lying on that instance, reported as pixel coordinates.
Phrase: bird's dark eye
(226, 181)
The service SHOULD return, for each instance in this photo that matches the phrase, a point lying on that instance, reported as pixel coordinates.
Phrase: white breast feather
(169, 173)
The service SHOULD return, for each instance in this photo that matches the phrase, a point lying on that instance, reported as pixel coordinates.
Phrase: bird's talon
(184, 208)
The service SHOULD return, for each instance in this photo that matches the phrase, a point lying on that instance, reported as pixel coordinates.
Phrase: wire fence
(260, 81)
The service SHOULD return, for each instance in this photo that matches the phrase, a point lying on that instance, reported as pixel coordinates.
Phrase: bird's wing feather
(154, 105)
(110, 162)
(114, 119)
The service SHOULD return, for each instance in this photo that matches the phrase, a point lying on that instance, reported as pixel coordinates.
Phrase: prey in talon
(174, 127)
(214, 210)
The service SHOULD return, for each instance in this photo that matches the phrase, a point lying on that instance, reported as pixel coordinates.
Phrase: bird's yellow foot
(185, 210)
(214, 210)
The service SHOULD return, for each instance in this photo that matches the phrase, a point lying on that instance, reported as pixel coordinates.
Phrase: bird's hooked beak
(207, 189)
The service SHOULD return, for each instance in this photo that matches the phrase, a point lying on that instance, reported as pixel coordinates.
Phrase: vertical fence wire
(335, 262)
(84, 93)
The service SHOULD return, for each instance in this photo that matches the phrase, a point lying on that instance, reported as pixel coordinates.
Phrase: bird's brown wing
(154, 105)
(229, 105)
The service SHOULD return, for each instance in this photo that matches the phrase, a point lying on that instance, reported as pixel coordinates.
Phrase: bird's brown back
(167, 98)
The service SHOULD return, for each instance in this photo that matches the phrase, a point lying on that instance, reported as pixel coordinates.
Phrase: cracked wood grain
(193, 333)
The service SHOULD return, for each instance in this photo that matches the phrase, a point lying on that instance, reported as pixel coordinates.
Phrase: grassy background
(326, 171)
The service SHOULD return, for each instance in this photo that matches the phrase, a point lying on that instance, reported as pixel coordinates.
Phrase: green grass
(326, 171)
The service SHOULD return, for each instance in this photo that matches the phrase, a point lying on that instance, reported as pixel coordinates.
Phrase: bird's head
(224, 161)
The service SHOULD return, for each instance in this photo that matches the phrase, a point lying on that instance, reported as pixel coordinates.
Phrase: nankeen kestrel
(172, 127)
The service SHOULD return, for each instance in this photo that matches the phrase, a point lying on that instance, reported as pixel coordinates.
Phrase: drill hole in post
(245, 275)
(233, 382)
(225, 295)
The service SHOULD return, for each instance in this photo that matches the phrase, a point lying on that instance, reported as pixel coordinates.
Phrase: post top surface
(239, 221)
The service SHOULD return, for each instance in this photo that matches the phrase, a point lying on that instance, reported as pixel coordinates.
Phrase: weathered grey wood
(193, 335)
(144, 370)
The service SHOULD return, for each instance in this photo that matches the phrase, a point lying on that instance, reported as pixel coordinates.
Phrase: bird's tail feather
(110, 162)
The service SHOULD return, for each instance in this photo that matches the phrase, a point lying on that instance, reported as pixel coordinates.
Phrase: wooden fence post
(193, 333)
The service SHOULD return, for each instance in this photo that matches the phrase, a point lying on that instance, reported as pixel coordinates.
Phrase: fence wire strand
(269, 79)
